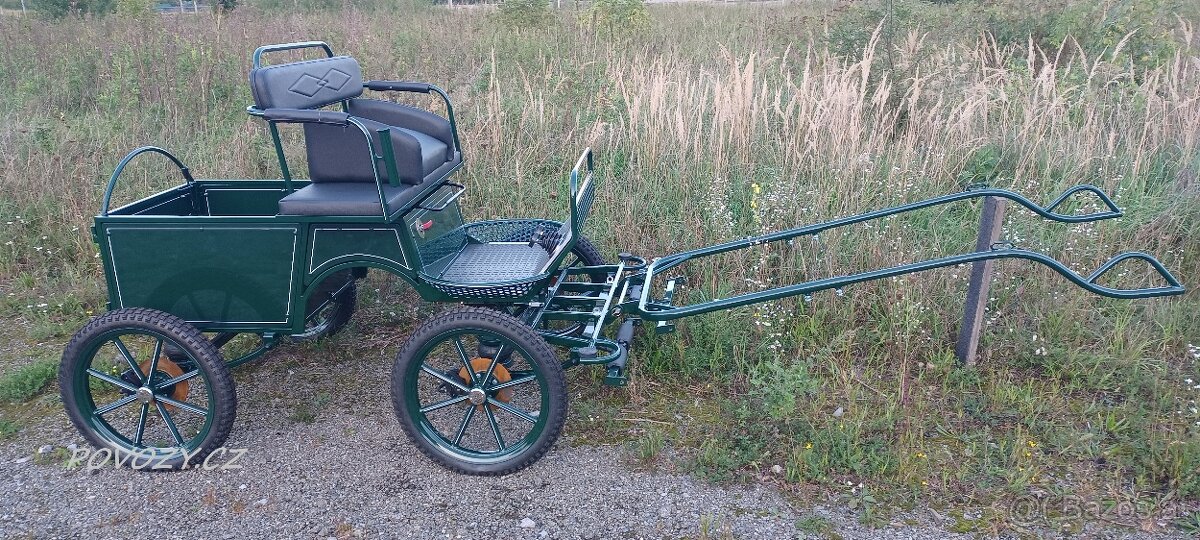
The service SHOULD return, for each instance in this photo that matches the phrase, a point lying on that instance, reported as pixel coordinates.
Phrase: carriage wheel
(324, 315)
(479, 392)
(154, 410)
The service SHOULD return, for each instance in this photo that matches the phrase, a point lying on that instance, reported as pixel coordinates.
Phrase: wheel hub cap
(145, 395)
(500, 374)
(166, 370)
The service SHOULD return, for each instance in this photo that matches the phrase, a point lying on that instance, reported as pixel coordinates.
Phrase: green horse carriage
(479, 388)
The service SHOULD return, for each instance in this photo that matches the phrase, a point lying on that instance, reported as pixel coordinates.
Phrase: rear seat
(343, 178)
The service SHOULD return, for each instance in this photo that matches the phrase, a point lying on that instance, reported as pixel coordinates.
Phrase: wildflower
(808, 446)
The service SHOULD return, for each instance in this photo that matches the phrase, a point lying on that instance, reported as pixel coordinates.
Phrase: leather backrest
(306, 85)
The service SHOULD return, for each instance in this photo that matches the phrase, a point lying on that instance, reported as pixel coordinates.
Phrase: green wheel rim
(487, 418)
(161, 406)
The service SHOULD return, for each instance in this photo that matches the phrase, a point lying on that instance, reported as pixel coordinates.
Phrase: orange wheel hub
(165, 365)
(499, 373)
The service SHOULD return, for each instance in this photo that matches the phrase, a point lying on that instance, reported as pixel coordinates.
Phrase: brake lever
(536, 237)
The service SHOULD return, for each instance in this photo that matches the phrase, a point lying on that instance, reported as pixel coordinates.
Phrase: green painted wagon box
(232, 274)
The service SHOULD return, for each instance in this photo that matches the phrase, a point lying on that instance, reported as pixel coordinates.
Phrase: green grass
(8, 428)
(305, 412)
(716, 122)
(28, 381)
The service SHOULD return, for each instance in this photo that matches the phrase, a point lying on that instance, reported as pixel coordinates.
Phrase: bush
(57, 9)
(135, 8)
(525, 13)
(1095, 26)
(619, 15)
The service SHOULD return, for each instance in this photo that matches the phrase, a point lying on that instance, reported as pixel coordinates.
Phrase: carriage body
(217, 254)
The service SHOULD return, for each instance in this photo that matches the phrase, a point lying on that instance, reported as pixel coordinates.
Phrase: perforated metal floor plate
(494, 263)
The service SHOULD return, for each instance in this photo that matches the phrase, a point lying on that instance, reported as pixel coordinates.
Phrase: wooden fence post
(990, 225)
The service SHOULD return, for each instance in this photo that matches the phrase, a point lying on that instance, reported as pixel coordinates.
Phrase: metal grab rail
(655, 312)
(112, 180)
(420, 88)
(289, 47)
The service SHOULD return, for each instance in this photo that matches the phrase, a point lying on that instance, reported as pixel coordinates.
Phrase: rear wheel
(330, 307)
(585, 253)
(154, 410)
(479, 392)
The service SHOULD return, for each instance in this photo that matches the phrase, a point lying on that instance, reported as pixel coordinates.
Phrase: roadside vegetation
(712, 122)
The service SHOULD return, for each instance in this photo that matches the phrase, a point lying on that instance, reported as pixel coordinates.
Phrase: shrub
(524, 13)
(57, 9)
(618, 15)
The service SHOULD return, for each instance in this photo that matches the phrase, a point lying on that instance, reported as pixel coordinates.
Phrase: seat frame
(384, 157)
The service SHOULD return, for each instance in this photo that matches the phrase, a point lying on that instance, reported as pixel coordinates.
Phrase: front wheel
(149, 387)
(479, 392)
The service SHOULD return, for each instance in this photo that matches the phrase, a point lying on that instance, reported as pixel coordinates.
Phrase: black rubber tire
(511, 328)
(587, 252)
(339, 312)
(185, 337)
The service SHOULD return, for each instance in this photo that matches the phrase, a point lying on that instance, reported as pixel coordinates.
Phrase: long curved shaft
(649, 310)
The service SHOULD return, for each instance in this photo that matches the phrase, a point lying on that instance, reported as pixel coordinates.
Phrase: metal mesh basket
(509, 230)
(489, 274)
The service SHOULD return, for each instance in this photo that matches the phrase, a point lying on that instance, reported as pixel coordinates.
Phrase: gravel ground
(352, 473)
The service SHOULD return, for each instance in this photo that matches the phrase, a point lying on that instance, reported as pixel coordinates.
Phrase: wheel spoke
(462, 428)
(141, 429)
(443, 404)
(158, 345)
(462, 354)
(115, 405)
(515, 411)
(495, 428)
(177, 380)
(442, 377)
(512, 383)
(129, 358)
(112, 380)
(166, 416)
(183, 405)
(491, 367)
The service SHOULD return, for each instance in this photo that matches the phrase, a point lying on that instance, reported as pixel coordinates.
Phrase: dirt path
(326, 458)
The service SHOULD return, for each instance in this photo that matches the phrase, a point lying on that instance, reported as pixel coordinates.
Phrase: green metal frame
(650, 311)
(625, 291)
